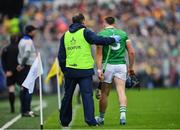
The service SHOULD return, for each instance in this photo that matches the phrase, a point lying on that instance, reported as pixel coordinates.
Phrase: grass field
(147, 109)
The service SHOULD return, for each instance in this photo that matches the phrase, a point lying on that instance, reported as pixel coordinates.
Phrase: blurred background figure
(9, 64)
(2, 81)
(26, 57)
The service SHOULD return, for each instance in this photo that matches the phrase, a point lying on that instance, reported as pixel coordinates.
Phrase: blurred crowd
(152, 25)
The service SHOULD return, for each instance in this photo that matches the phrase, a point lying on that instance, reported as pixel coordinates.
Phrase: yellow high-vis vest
(78, 51)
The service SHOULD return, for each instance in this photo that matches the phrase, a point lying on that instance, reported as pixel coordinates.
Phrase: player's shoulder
(5, 48)
(26, 40)
(121, 31)
(101, 32)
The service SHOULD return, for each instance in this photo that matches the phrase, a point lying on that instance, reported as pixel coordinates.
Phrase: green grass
(24, 122)
(5, 114)
(147, 109)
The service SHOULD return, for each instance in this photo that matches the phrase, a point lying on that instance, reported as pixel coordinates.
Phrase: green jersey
(117, 50)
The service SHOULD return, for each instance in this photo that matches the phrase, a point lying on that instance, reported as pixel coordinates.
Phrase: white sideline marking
(43, 106)
(12, 121)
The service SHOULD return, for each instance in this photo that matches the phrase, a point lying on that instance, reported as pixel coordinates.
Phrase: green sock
(102, 114)
(122, 112)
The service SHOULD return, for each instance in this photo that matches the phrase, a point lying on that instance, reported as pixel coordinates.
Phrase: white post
(58, 92)
(40, 95)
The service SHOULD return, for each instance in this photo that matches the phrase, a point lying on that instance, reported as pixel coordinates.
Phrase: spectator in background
(26, 57)
(2, 80)
(154, 26)
(9, 63)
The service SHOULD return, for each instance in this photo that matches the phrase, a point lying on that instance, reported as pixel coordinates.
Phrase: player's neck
(109, 26)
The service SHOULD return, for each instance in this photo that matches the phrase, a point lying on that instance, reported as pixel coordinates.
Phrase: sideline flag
(55, 69)
(35, 72)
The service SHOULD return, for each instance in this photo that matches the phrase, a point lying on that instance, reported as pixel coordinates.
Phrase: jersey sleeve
(126, 37)
(93, 38)
(100, 33)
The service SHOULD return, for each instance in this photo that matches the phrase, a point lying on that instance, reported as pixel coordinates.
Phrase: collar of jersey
(27, 37)
(109, 27)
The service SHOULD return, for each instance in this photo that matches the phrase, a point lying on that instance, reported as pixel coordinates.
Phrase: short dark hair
(29, 28)
(110, 20)
(78, 18)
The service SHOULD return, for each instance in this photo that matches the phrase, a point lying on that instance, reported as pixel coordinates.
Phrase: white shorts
(119, 71)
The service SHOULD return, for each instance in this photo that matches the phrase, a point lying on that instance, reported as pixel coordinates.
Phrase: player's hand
(131, 72)
(9, 73)
(133, 80)
(117, 38)
(100, 75)
(19, 68)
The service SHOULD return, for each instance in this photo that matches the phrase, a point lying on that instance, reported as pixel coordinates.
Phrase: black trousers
(26, 100)
(86, 89)
(25, 97)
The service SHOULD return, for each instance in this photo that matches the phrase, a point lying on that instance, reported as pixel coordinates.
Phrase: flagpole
(40, 95)
(58, 92)
(41, 111)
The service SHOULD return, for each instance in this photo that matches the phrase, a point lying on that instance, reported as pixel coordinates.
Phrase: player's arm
(26, 55)
(27, 52)
(3, 59)
(99, 70)
(99, 60)
(62, 55)
(131, 54)
(7, 70)
(135, 83)
(93, 38)
(99, 57)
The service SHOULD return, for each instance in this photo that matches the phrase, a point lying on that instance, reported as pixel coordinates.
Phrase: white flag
(35, 71)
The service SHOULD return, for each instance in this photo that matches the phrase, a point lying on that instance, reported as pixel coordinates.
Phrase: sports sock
(11, 100)
(122, 112)
(102, 115)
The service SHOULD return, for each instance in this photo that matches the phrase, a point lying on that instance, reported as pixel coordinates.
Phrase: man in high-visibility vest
(77, 64)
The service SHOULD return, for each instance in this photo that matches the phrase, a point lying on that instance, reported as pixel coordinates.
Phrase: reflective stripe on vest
(78, 51)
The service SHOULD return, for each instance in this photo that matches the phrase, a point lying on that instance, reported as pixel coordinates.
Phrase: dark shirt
(9, 57)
